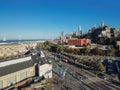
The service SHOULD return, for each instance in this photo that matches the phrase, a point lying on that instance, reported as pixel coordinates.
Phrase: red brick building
(78, 42)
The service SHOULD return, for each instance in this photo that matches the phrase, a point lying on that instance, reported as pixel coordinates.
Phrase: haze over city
(45, 19)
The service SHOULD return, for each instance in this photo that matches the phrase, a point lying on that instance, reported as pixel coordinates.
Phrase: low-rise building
(116, 32)
(77, 42)
(104, 47)
(15, 71)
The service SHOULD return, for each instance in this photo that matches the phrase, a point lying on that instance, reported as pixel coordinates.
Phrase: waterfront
(17, 41)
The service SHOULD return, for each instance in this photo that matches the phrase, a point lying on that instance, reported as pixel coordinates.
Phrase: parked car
(101, 75)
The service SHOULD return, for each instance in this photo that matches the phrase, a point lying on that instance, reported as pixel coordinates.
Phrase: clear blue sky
(34, 19)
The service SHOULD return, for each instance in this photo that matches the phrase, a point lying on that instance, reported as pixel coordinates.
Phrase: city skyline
(46, 19)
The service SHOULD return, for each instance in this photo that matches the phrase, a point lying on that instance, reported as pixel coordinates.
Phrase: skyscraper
(94, 27)
(79, 31)
(102, 24)
(62, 37)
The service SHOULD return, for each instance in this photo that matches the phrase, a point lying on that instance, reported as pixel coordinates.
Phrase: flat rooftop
(12, 66)
(13, 58)
(15, 67)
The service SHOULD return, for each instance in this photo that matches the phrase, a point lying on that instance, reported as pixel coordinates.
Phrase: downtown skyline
(46, 19)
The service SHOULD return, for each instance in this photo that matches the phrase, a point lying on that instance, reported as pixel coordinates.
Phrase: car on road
(101, 75)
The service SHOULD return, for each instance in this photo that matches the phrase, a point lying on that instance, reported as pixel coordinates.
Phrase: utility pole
(60, 57)
(81, 83)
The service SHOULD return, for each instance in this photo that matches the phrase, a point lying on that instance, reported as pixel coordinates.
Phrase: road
(89, 78)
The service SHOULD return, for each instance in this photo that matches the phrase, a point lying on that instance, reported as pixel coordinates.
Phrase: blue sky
(37, 19)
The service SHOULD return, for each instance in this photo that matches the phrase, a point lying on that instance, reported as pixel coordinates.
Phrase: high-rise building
(62, 37)
(102, 24)
(79, 32)
(94, 27)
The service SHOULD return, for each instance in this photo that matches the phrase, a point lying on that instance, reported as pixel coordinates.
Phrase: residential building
(105, 32)
(116, 32)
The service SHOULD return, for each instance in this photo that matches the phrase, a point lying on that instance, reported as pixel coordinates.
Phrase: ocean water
(16, 41)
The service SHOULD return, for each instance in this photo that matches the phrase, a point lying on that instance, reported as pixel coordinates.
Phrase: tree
(59, 48)
(87, 50)
(46, 45)
(112, 51)
(100, 67)
(102, 40)
(98, 51)
(53, 48)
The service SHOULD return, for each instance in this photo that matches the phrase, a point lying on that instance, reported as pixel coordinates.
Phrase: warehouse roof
(15, 67)
(12, 66)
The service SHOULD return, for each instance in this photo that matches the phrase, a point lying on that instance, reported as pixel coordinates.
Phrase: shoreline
(19, 41)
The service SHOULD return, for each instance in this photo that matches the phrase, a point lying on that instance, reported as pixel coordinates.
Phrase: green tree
(100, 67)
(59, 48)
(112, 51)
(102, 40)
(97, 51)
(46, 45)
(87, 50)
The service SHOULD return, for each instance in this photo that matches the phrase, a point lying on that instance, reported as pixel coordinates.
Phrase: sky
(46, 19)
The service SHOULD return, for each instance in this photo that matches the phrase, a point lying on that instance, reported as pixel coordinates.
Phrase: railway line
(88, 79)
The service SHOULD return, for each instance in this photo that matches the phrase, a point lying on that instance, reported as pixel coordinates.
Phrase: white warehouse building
(16, 71)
